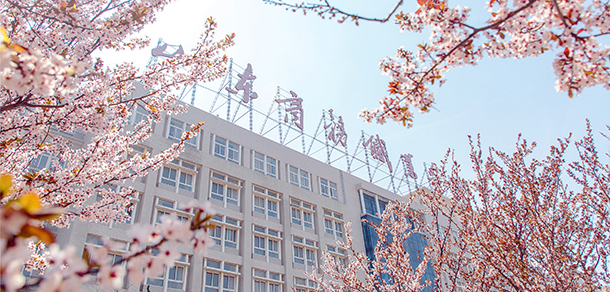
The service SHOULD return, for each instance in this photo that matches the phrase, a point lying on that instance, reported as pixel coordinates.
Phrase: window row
(266, 204)
(266, 241)
(231, 151)
(265, 164)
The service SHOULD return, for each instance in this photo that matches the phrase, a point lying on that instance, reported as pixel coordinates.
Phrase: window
(176, 129)
(299, 177)
(134, 198)
(171, 277)
(231, 238)
(328, 188)
(226, 149)
(338, 254)
(66, 132)
(372, 204)
(157, 280)
(265, 164)
(267, 242)
(382, 206)
(137, 150)
(311, 257)
(94, 240)
(41, 161)
(266, 202)
(217, 277)
(225, 189)
(107, 195)
(259, 245)
(267, 281)
(166, 207)
(304, 251)
(301, 214)
(298, 255)
(226, 232)
(302, 285)
(175, 277)
(180, 175)
(45, 161)
(333, 224)
(139, 114)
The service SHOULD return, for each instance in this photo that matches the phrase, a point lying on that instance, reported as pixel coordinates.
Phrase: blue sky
(333, 65)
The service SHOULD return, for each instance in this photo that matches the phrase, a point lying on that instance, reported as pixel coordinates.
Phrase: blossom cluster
(60, 105)
(574, 29)
(517, 224)
(69, 129)
(27, 70)
(522, 29)
(390, 269)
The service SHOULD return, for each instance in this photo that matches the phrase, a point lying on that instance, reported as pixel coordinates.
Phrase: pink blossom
(111, 276)
(175, 230)
(201, 242)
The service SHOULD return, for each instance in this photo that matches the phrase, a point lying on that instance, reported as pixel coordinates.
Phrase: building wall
(251, 265)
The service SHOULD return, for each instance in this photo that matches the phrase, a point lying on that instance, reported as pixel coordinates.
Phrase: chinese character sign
(378, 150)
(295, 110)
(337, 130)
(406, 159)
(242, 85)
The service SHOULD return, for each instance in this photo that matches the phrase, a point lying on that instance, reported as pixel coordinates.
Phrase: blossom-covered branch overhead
(575, 30)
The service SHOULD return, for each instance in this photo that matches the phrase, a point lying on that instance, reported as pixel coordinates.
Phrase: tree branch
(327, 8)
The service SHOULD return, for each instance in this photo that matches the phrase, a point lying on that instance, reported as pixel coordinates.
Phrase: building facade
(278, 209)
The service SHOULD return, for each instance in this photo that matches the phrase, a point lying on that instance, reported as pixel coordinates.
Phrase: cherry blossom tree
(51, 84)
(52, 88)
(391, 269)
(520, 224)
(574, 30)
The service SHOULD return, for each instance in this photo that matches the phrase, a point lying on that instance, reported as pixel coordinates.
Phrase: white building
(278, 209)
